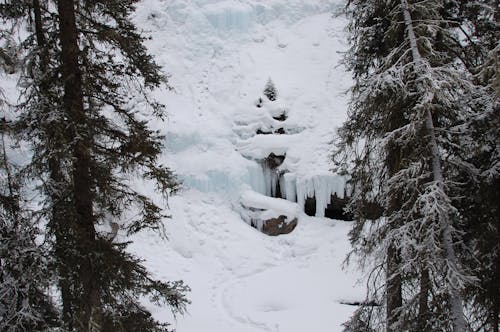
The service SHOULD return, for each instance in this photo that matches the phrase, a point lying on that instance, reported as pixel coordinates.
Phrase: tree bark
(393, 274)
(83, 229)
(393, 286)
(40, 36)
(58, 222)
(495, 312)
(423, 298)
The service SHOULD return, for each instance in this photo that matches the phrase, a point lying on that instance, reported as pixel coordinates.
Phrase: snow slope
(220, 55)
(243, 280)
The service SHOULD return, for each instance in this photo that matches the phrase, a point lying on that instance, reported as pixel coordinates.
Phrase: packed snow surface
(245, 281)
(220, 54)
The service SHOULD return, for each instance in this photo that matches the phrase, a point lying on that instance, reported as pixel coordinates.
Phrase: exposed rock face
(273, 161)
(310, 206)
(282, 117)
(278, 226)
(335, 210)
(271, 216)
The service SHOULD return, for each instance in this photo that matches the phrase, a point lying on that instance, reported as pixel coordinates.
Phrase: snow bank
(257, 208)
(260, 147)
(251, 199)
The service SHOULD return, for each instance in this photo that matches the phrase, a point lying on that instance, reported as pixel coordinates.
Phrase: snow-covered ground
(220, 55)
(245, 281)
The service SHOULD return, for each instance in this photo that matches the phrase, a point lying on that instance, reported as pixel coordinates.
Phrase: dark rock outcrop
(278, 226)
(273, 161)
(335, 210)
(261, 132)
(310, 206)
(282, 117)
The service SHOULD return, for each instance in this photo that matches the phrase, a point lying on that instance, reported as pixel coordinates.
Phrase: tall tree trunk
(59, 222)
(82, 186)
(40, 36)
(456, 300)
(423, 300)
(495, 311)
(393, 274)
(393, 286)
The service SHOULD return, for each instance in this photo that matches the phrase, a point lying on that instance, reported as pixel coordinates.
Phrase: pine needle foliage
(411, 98)
(25, 274)
(86, 109)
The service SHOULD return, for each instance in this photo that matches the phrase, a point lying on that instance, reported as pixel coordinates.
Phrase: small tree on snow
(270, 90)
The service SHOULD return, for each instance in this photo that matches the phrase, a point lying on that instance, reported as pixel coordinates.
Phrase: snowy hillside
(220, 130)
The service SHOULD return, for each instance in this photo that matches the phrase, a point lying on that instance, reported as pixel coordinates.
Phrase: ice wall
(297, 189)
(230, 15)
(240, 16)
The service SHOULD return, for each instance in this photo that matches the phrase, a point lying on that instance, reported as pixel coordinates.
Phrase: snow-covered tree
(411, 93)
(25, 276)
(481, 156)
(85, 111)
(270, 90)
(477, 153)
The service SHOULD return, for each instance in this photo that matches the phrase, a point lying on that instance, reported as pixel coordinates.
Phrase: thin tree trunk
(393, 285)
(423, 298)
(82, 184)
(13, 204)
(40, 36)
(456, 300)
(495, 311)
(393, 276)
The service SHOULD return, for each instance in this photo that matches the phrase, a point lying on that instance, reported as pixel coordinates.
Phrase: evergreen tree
(85, 112)
(25, 304)
(477, 152)
(479, 202)
(270, 90)
(410, 95)
(25, 275)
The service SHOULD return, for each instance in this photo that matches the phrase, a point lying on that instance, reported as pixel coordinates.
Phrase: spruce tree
(479, 202)
(25, 275)
(477, 152)
(410, 94)
(270, 90)
(85, 111)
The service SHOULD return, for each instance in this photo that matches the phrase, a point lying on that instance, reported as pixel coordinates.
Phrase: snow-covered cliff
(220, 54)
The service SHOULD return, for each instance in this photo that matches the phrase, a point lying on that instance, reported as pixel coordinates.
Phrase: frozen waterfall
(230, 15)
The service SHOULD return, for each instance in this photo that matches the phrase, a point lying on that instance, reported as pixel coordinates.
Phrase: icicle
(288, 186)
(322, 187)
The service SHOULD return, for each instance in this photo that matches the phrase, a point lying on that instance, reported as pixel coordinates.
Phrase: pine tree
(270, 90)
(410, 94)
(25, 304)
(479, 203)
(477, 153)
(85, 112)
(25, 276)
